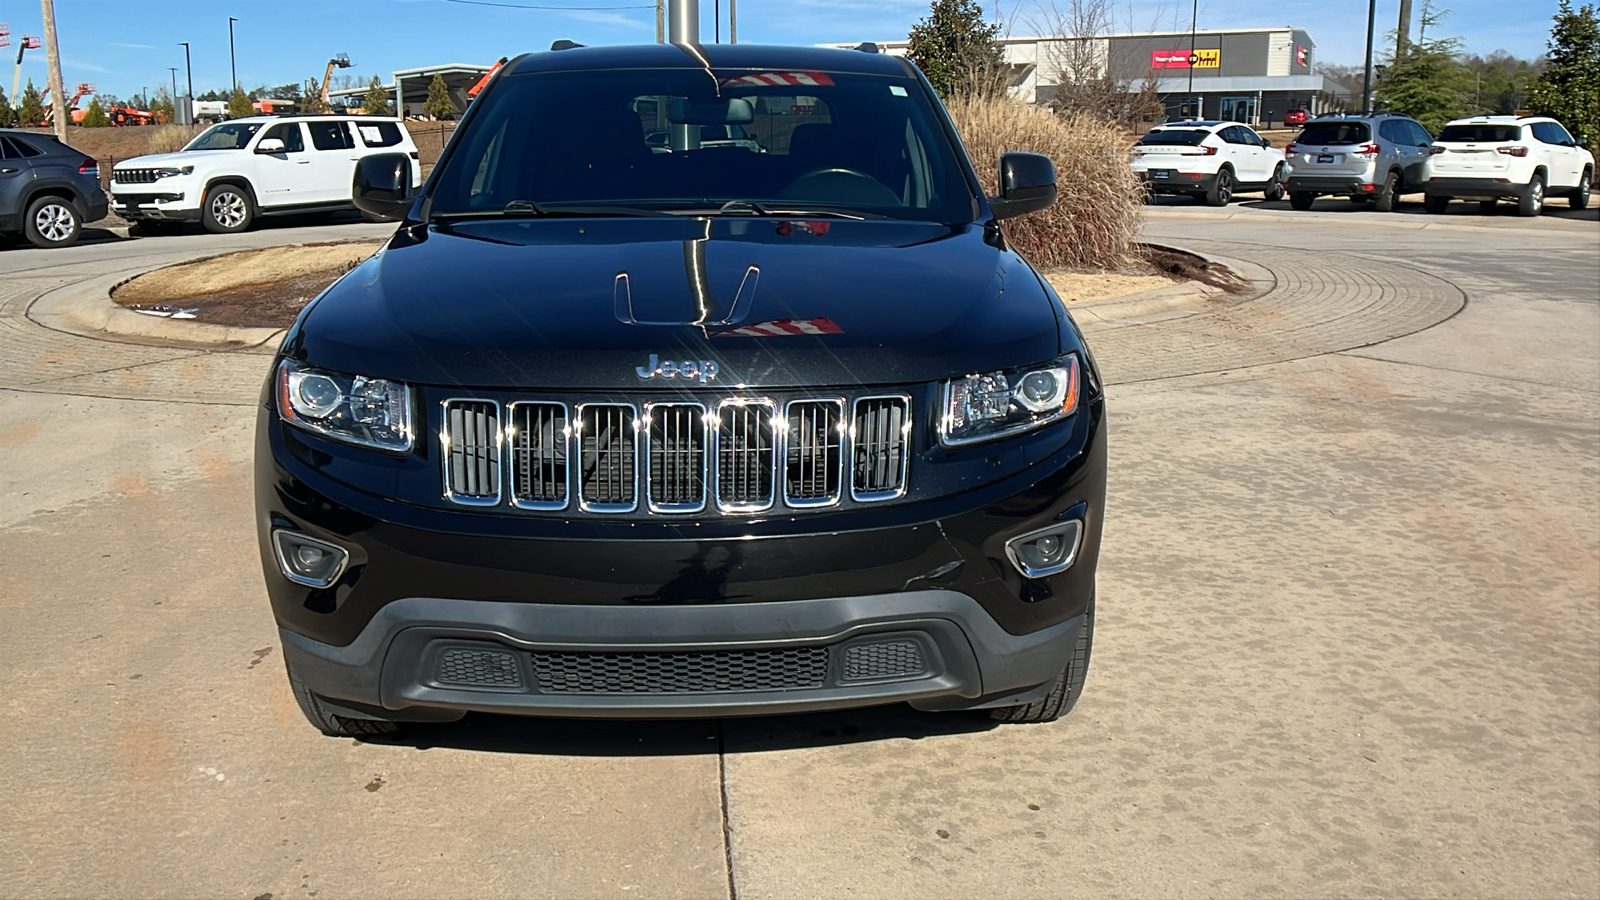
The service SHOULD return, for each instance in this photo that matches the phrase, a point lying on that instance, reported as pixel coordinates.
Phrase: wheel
(1531, 203)
(1579, 199)
(227, 210)
(1221, 189)
(1388, 194)
(1274, 189)
(1301, 200)
(335, 725)
(1487, 205)
(1068, 687)
(52, 222)
(1435, 203)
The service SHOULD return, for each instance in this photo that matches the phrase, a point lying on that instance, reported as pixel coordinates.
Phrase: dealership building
(1251, 76)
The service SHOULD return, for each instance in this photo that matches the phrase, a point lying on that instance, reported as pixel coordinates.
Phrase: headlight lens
(996, 404)
(171, 171)
(371, 412)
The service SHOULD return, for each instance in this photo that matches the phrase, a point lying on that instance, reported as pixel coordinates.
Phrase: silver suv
(1372, 159)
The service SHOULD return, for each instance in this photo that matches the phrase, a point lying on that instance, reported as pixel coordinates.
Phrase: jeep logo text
(703, 369)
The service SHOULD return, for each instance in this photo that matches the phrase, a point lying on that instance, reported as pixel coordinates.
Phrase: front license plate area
(1326, 158)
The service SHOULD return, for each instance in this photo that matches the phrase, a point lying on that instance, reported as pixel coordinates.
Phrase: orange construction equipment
(342, 61)
(84, 90)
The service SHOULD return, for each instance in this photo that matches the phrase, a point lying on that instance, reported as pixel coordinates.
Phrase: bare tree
(1076, 54)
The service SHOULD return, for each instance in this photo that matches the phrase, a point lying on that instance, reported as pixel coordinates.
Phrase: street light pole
(1366, 76)
(233, 68)
(174, 71)
(1193, 15)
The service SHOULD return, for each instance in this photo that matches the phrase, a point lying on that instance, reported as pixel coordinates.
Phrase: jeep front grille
(471, 451)
(134, 176)
(738, 455)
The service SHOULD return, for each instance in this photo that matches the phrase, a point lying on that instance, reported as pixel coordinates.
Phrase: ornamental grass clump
(1096, 216)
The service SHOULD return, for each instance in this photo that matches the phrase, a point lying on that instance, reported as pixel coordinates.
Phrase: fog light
(1046, 551)
(308, 561)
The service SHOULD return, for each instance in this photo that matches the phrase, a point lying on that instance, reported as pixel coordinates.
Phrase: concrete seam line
(727, 823)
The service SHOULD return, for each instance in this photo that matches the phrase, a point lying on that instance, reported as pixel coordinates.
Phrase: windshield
(675, 140)
(1480, 134)
(1335, 133)
(1184, 136)
(227, 136)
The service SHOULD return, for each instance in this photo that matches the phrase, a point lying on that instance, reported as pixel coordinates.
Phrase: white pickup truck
(260, 166)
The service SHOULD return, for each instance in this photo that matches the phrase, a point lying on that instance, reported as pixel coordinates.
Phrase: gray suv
(47, 189)
(1371, 159)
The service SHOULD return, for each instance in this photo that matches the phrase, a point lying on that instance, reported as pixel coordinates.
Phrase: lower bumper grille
(692, 672)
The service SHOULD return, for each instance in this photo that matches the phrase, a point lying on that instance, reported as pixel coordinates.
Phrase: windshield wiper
(529, 209)
(757, 208)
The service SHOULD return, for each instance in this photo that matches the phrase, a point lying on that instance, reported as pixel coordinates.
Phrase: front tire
(52, 222)
(1067, 689)
(331, 724)
(228, 209)
(1302, 200)
(1579, 199)
(1274, 189)
(1388, 196)
(1531, 203)
(1436, 203)
(1221, 189)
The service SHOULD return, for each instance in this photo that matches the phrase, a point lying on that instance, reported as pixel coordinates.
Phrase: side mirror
(1027, 184)
(382, 185)
(270, 145)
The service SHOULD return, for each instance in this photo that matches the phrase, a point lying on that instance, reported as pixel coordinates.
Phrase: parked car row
(1372, 159)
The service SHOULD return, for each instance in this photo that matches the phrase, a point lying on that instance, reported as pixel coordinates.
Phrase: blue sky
(124, 45)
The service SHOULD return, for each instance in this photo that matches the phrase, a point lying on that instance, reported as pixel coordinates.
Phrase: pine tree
(438, 104)
(239, 105)
(30, 108)
(161, 108)
(957, 49)
(376, 101)
(1426, 81)
(313, 97)
(6, 112)
(95, 116)
(1569, 88)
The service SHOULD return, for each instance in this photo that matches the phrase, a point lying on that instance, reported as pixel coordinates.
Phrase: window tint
(1419, 135)
(378, 134)
(1561, 134)
(1252, 138)
(1391, 130)
(1183, 136)
(1232, 135)
(226, 136)
(1335, 133)
(289, 133)
(1480, 134)
(330, 134)
(1550, 133)
(17, 148)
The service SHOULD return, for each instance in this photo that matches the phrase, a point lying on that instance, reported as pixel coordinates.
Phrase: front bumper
(1473, 188)
(156, 205)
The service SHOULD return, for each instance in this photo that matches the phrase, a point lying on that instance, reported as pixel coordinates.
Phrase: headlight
(372, 412)
(997, 404)
(173, 171)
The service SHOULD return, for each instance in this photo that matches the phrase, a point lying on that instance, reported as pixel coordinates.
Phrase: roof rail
(565, 44)
(867, 47)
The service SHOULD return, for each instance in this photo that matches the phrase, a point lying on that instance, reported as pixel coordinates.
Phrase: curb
(1177, 300)
(86, 309)
(1409, 223)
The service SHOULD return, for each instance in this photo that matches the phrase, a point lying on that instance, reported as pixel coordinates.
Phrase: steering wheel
(835, 184)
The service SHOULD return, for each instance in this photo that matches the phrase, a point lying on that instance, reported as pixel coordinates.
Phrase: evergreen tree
(161, 107)
(30, 108)
(6, 112)
(376, 101)
(313, 97)
(958, 50)
(1426, 81)
(1569, 89)
(239, 105)
(438, 104)
(95, 116)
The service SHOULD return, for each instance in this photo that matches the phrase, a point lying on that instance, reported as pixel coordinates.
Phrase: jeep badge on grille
(703, 369)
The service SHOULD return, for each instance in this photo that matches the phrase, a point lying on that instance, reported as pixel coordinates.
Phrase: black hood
(586, 303)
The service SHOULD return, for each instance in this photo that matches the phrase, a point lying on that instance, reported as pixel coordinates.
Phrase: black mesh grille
(815, 451)
(472, 436)
(880, 446)
(478, 668)
(884, 659)
(678, 457)
(695, 672)
(606, 457)
(745, 456)
(539, 453)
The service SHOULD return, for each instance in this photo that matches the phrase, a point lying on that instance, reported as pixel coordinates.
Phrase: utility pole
(52, 52)
(733, 21)
(661, 21)
(1194, 57)
(233, 68)
(1402, 34)
(1366, 75)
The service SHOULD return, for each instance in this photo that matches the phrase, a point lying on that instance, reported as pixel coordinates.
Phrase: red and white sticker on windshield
(783, 79)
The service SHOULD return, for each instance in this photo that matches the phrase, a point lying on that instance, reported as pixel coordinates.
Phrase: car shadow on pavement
(682, 737)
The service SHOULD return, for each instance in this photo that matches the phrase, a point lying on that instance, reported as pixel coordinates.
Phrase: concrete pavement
(1349, 618)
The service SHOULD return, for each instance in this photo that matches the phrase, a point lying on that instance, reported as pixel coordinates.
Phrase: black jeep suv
(613, 427)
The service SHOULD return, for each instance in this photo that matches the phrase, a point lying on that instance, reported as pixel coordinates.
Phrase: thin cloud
(605, 18)
(87, 67)
(132, 46)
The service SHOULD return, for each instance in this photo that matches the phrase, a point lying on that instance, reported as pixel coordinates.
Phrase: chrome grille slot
(606, 457)
(133, 176)
(538, 455)
(472, 451)
(676, 458)
(881, 433)
(746, 455)
(814, 458)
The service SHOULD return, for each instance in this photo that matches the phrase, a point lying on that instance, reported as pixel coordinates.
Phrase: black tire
(1487, 206)
(52, 222)
(1436, 203)
(1274, 189)
(1531, 203)
(335, 725)
(1067, 689)
(1579, 199)
(1221, 188)
(228, 209)
(1388, 194)
(1302, 200)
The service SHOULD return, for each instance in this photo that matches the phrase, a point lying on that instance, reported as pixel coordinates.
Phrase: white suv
(261, 166)
(1208, 160)
(1525, 158)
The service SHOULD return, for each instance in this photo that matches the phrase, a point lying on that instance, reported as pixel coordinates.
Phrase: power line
(527, 6)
